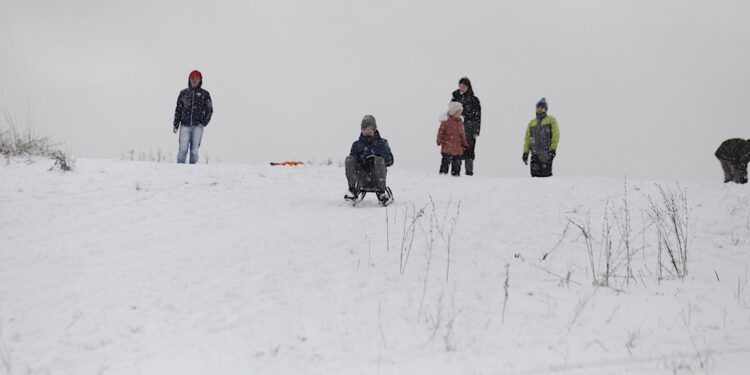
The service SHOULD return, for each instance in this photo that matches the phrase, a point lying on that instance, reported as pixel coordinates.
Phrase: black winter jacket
(372, 146)
(194, 107)
(472, 109)
(735, 150)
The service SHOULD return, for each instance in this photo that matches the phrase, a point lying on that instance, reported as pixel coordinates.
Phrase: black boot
(469, 167)
(352, 194)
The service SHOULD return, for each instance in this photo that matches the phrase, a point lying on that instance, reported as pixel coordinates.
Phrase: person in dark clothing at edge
(370, 155)
(472, 120)
(542, 136)
(192, 115)
(734, 154)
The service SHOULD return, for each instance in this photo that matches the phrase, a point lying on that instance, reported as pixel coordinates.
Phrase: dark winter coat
(372, 146)
(452, 137)
(194, 107)
(542, 136)
(734, 150)
(472, 111)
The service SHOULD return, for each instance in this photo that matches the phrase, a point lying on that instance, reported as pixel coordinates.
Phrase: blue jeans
(190, 137)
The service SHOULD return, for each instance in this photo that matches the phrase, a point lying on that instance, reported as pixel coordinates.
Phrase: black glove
(525, 158)
(552, 154)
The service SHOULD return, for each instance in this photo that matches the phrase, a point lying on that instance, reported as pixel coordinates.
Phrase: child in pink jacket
(452, 139)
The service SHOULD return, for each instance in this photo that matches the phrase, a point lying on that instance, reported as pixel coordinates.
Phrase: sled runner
(385, 198)
(366, 183)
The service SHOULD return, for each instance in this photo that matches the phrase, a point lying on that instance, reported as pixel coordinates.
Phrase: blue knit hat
(542, 103)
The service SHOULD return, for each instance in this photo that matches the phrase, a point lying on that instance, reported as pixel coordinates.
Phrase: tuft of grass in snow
(25, 142)
(611, 247)
(670, 213)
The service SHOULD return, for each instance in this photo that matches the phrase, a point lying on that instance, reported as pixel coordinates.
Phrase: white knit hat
(454, 107)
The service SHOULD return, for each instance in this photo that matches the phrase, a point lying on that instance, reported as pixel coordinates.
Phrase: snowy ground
(143, 268)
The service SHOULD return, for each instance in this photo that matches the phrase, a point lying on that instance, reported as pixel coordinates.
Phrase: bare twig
(695, 347)
(580, 306)
(407, 238)
(428, 255)
(586, 232)
(630, 343)
(563, 279)
(380, 326)
(449, 335)
(446, 236)
(597, 342)
(102, 368)
(606, 246)
(5, 354)
(506, 287)
(562, 237)
(622, 220)
(77, 316)
(369, 252)
(671, 215)
(436, 320)
(387, 232)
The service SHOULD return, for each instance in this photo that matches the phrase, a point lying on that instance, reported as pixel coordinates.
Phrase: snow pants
(454, 161)
(540, 168)
(370, 174)
(734, 171)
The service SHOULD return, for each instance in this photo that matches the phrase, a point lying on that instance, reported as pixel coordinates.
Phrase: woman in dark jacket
(472, 119)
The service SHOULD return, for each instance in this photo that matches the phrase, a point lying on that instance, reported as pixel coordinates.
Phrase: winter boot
(351, 193)
(469, 164)
(385, 197)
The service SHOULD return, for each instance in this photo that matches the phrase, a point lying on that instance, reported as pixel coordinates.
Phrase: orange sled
(292, 162)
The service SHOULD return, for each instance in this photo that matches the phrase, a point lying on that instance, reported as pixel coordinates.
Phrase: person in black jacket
(734, 154)
(472, 120)
(193, 113)
(368, 159)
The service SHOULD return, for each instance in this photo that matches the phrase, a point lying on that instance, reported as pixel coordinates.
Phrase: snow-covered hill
(143, 268)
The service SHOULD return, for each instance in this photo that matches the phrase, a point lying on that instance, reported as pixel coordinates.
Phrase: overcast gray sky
(643, 88)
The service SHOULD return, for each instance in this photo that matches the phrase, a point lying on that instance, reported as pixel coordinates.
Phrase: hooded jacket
(194, 106)
(372, 146)
(452, 137)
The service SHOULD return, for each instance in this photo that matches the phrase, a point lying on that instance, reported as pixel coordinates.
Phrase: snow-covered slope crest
(142, 268)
